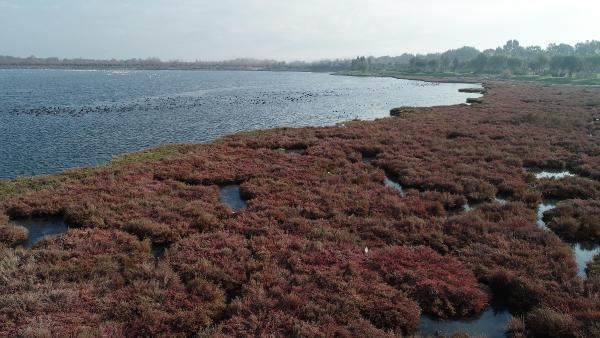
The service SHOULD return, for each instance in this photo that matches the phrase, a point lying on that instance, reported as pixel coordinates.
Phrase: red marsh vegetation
(323, 247)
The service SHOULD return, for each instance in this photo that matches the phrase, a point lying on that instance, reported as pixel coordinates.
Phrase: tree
(556, 65)
(359, 64)
(479, 63)
(571, 64)
(497, 63)
(561, 49)
(588, 48)
(538, 64)
(455, 64)
(591, 64)
(512, 48)
(432, 65)
(462, 54)
(564, 65)
(445, 63)
(514, 64)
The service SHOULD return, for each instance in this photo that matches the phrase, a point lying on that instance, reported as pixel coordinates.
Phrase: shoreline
(431, 79)
(480, 79)
(149, 153)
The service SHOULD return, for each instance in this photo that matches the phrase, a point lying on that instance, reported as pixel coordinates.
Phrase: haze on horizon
(283, 30)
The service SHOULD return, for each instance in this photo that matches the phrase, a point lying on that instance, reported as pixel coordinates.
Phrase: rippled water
(51, 120)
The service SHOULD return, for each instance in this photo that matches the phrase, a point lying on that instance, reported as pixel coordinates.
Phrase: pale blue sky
(283, 29)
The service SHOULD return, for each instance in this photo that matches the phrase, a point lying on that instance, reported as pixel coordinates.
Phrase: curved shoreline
(151, 153)
(424, 78)
(188, 117)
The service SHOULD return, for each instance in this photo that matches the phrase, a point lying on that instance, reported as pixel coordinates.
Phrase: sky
(283, 29)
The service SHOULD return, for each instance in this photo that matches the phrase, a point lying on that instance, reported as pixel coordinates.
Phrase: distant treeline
(155, 63)
(555, 60)
(512, 58)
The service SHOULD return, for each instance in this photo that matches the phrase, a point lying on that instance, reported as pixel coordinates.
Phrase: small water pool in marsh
(41, 227)
(584, 252)
(491, 323)
(158, 251)
(544, 206)
(230, 194)
(388, 182)
(550, 173)
(472, 206)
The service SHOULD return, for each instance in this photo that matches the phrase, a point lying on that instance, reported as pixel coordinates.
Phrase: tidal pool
(158, 251)
(541, 209)
(394, 185)
(41, 227)
(472, 206)
(500, 200)
(584, 253)
(490, 323)
(230, 195)
(551, 173)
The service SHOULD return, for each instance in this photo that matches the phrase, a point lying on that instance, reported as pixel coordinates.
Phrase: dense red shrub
(441, 285)
(545, 322)
(102, 280)
(322, 248)
(324, 288)
(570, 187)
(593, 267)
(575, 219)
(220, 257)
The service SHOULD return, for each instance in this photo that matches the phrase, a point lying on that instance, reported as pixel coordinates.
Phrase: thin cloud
(290, 30)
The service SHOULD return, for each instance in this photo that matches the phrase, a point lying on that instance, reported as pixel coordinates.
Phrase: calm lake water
(51, 120)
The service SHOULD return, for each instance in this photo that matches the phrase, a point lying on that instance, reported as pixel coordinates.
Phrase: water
(230, 195)
(584, 252)
(541, 209)
(41, 227)
(551, 174)
(469, 207)
(490, 323)
(500, 200)
(394, 185)
(51, 120)
(158, 251)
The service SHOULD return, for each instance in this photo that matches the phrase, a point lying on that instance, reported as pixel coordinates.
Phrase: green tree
(433, 65)
(455, 64)
(479, 63)
(514, 64)
(497, 63)
(570, 63)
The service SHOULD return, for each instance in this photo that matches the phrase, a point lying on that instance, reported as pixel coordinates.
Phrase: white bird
(366, 250)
